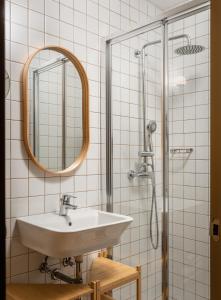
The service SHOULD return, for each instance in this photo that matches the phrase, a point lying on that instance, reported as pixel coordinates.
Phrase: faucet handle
(66, 198)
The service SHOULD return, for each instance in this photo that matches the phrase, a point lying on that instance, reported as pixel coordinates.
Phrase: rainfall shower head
(184, 50)
(152, 126)
(189, 49)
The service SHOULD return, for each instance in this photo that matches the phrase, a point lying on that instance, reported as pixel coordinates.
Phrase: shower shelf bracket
(181, 150)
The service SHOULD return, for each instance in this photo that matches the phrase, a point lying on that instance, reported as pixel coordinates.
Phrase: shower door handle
(215, 230)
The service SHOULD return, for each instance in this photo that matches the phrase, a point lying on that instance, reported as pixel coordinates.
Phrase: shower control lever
(133, 174)
(146, 154)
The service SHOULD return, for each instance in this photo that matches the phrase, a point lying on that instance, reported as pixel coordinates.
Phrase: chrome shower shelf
(181, 150)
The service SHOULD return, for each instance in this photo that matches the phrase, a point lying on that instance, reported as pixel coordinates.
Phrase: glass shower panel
(134, 196)
(189, 119)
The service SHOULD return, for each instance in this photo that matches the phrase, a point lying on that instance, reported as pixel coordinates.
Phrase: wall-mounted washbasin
(82, 231)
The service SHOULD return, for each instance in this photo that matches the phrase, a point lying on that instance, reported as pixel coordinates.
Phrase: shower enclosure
(157, 151)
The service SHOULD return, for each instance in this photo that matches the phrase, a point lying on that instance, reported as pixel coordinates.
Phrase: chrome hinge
(215, 230)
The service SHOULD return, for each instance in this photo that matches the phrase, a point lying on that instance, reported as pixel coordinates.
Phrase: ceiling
(168, 4)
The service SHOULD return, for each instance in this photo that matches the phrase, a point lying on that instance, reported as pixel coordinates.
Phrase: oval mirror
(56, 116)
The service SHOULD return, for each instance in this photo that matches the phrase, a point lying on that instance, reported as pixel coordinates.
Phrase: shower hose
(153, 202)
(154, 209)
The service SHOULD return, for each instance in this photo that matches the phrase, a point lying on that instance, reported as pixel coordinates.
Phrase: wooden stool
(51, 291)
(112, 274)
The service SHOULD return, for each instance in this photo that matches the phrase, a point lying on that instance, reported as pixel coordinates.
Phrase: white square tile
(20, 278)
(51, 203)
(92, 9)
(19, 168)
(19, 207)
(52, 185)
(66, 31)
(67, 185)
(36, 38)
(36, 20)
(19, 34)
(51, 26)
(17, 150)
(69, 3)
(80, 20)
(19, 14)
(52, 9)
(67, 14)
(19, 188)
(15, 91)
(80, 183)
(16, 110)
(36, 186)
(37, 5)
(36, 205)
(19, 264)
(80, 5)
(18, 52)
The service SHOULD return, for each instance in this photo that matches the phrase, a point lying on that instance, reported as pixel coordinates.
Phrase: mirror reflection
(55, 110)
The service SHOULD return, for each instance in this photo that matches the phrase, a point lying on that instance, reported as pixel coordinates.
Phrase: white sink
(82, 231)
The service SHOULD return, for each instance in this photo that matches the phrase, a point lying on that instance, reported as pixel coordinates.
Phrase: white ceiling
(168, 4)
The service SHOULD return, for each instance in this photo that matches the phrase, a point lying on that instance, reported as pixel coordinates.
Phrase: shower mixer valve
(142, 172)
(133, 174)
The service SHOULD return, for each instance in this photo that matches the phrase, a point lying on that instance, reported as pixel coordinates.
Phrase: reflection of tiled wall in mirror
(52, 87)
(73, 114)
(47, 110)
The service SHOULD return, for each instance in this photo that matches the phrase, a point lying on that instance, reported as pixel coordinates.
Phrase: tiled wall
(189, 174)
(77, 25)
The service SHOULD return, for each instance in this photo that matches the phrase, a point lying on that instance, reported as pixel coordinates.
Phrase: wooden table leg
(138, 283)
(95, 285)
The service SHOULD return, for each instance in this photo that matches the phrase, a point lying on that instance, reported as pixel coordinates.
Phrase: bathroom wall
(78, 26)
(189, 115)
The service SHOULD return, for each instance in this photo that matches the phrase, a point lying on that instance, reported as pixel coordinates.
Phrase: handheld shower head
(152, 126)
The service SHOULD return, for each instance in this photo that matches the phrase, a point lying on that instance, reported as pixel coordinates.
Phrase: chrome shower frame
(176, 14)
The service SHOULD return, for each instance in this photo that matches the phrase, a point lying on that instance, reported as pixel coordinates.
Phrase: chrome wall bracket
(181, 150)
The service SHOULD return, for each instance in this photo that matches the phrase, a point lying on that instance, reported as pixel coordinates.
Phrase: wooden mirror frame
(85, 110)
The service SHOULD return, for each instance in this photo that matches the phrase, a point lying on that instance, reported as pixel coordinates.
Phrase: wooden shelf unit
(104, 276)
(111, 274)
(51, 291)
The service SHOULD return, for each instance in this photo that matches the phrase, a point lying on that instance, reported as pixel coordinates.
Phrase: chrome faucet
(65, 204)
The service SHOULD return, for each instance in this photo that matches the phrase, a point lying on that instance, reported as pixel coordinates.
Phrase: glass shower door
(136, 97)
(158, 137)
(189, 118)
